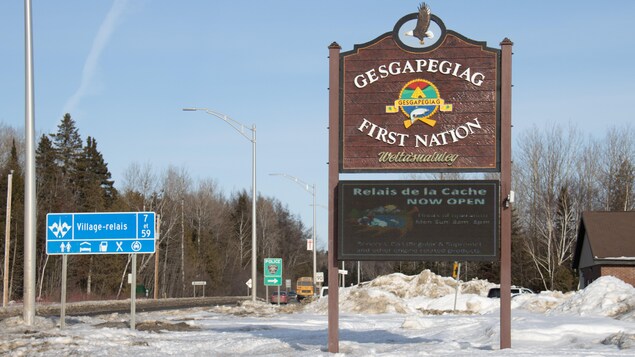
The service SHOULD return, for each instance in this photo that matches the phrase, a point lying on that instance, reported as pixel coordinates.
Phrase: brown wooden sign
(420, 109)
(420, 99)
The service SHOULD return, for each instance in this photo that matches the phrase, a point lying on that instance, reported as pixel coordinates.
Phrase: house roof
(611, 236)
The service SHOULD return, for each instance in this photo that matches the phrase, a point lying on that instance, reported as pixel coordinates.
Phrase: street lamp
(240, 128)
(310, 189)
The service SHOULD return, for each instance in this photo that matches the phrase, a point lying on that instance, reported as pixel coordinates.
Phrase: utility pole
(7, 245)
(30, 198)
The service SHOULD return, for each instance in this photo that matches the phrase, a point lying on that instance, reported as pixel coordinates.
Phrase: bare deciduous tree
(544, 170)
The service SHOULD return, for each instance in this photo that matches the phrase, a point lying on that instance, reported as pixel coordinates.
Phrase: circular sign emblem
(136, 246)
(419, 100)
(273, 269)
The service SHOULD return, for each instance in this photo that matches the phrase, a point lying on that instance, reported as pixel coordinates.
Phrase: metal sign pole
(156, 257)
(30, 196)
(133, 292)
(458, 283)
(63, 298)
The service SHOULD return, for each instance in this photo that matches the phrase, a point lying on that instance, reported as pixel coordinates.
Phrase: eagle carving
(421, 30)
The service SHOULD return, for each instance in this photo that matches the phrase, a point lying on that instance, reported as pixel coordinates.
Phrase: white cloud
(92, 61)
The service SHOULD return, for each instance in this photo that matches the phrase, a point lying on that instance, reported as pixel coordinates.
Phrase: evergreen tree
(50, 191)
(68, 146)
(16, 266)
(52, 196)
(95, 188)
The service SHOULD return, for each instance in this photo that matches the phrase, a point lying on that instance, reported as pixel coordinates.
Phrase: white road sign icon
(136, 246)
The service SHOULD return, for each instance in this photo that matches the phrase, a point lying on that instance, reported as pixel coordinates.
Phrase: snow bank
(427, 284)
(606, 296)
(431, 294)
(17, 323)
(426, 292)
(540, 303)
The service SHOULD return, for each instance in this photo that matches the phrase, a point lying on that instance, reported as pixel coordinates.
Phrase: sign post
(198, 283)
(63, 305)
(133, 293)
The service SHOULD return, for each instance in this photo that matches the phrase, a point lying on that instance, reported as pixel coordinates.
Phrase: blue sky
(125, 68)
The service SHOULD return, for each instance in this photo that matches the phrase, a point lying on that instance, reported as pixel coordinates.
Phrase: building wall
(624, 273)
(589, 274)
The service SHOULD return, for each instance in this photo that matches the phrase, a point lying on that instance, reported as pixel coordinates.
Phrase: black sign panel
(418, 220)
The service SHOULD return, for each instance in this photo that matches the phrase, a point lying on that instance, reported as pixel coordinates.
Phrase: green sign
(273, 271)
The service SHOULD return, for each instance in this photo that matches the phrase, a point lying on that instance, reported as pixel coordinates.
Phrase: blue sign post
(100, 233)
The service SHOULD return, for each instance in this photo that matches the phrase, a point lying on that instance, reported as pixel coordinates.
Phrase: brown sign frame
(462, 134)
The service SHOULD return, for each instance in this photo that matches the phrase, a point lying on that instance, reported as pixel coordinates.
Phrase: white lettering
(372, 76)
(394, 69)
(432, 65)
(382, 134)
(360, 81)
(456, 134)
(421, 65)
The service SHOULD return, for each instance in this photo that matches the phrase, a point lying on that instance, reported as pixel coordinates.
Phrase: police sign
(273, 271)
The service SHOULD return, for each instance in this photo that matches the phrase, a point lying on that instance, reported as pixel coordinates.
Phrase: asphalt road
(122, 306)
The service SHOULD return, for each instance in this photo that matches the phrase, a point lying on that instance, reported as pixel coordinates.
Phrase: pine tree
(50, 191)
(96, 191)
(16, 268)
(68, 144)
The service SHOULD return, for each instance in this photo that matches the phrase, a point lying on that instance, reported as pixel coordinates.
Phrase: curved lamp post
(310, 189)
(240, 128)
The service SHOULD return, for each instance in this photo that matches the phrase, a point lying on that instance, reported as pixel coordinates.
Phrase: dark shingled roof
(610, 234)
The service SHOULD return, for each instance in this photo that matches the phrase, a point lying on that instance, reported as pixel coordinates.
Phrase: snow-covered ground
(394, 315)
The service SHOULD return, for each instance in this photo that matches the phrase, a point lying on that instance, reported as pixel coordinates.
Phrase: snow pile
(247, 308)
(426, 292)
(16, 323)
(427, 284)
(431, 294)
(540, 303)
(363, 300)
(606, 296)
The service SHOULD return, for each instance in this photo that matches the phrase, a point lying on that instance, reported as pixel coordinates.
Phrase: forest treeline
(205, 235)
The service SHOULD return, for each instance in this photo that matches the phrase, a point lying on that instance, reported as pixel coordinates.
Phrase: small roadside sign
(100, 233)
(273, 271)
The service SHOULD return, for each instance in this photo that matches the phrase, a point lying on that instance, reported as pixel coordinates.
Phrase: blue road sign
(100, 233)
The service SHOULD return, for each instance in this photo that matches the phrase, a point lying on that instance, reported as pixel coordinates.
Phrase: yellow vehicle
(304, 287)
